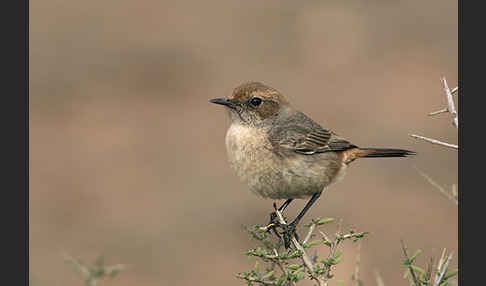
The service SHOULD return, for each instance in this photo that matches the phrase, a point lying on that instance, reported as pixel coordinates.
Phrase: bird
(281, 153)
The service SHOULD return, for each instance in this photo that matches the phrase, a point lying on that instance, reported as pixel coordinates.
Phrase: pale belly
(278, 177)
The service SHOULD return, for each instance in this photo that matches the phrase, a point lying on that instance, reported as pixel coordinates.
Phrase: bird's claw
(288, 233)
(273, 219)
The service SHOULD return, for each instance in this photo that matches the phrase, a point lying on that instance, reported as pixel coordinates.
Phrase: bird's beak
(222, 101)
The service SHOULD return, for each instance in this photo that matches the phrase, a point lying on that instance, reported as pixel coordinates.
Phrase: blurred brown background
(127, 156)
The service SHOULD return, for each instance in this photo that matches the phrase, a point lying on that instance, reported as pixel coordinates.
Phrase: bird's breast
(267, 174)
(249, 152)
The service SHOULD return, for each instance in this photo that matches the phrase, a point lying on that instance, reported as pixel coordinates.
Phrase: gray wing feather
(302, 135)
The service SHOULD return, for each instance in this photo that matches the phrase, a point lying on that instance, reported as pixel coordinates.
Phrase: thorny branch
(414, 276)
(442, 268)
(434, 141)
(444, 110)
(421, 277)
(317, 269)
(305, 257)
(455, 122)
(450, 103)
(451, 109)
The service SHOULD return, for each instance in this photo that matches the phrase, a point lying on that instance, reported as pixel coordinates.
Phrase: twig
(450, 103)
(334, 244)
(454, 90)
(265, 282)
(414, 277)
(437, 186)
(309, 234)
(443, 269)
(357, 270)
(441, 260)
(305, 257)
(444, 110)
(351, 235)
(379, 280)
(277, 261)
(428, 274)
(434, 141)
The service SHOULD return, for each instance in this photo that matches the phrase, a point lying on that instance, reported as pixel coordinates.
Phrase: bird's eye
(256, 101)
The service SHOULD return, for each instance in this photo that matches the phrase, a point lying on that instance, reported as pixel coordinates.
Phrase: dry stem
(444, 110)
(450, 103)
(434, 141)
(433, 183)
(442, 268)
(358, 261)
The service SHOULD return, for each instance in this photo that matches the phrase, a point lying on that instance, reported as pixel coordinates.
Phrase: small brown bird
(283, 154)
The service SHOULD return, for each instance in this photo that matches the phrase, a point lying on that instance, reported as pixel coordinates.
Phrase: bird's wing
(302, 135)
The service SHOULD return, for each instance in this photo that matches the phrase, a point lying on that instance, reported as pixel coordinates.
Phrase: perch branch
(305, 257)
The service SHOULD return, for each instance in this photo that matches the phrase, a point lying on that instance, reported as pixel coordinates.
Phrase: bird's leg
(285, 205)
(289, 229)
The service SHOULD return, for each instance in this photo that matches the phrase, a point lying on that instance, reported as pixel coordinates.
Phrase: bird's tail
(383, 152)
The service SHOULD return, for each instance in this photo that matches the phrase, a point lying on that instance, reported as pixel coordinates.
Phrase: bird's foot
(273, 219)
(288, 233)
(274, 222)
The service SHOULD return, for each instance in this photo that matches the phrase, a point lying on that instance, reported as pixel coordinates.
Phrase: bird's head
(254, 102)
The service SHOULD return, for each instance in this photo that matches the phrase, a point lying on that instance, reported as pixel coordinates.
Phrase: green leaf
(260, 251)
(415, 255)
(322, 220)
(409, 261)
(328, 243)
(295, 254)
(312, 243)
(418, 269)
(450, 274)
(113, 272)
(100, 261)
(281, 280)
(338, 253)
(97, 272)
(268, 275)
(331, 261)
(326, 261)
(293, 266)
(300, 276)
